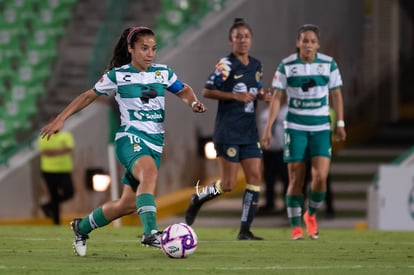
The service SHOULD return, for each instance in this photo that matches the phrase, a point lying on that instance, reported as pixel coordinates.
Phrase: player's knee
(319, 176)
(227, 186)
(255, 179)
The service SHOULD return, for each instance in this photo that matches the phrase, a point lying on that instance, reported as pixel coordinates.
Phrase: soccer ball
(178, 241)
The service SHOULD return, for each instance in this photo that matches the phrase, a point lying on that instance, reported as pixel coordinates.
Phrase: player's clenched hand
(198, 107)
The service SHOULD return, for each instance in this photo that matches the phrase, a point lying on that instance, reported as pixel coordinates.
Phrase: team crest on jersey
(158, 77)
(258, 76)
(231, 152)
(320, 69)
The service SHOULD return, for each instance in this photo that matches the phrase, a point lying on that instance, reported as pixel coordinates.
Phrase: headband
(134, 30)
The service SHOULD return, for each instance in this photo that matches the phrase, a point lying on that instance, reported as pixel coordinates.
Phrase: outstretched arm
(188, 96)
(76, 105)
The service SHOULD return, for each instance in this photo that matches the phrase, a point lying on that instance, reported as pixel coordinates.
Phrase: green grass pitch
(48, 250)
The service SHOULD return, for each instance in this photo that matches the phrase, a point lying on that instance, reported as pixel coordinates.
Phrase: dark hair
(129, 36)
(239, 22)
(308, 27)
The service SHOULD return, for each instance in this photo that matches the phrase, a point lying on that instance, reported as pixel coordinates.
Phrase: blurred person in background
(274, 168)
(56, 165)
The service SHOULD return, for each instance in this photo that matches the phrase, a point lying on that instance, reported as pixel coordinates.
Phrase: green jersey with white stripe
(307, 86)
(140, 96)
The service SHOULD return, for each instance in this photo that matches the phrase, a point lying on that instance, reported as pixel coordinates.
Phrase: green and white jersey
(140, 96)
(307, 86)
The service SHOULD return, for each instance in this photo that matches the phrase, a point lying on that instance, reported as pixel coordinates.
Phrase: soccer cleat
(192, 209)
(311, 225)
(248, 236)
(296, 233)
(153, 240)
(79, 244)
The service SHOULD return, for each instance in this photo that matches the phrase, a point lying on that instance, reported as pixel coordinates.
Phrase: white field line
(134, 240)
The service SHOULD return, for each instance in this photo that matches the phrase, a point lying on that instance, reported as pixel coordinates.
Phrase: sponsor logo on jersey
(308, 83)
(297, 103)
(137, 115)
(127, 78)
(147, 116)
(240, 88)
(155, 116)
(237, 76)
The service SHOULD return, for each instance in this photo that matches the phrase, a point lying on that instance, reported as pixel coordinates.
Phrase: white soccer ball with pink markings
(178, 241)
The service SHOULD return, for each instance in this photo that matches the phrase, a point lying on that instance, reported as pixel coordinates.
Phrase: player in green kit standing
(307, 78)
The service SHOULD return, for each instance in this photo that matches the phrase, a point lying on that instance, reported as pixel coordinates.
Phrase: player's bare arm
(75, 106)
(337, 102)
(188, 96)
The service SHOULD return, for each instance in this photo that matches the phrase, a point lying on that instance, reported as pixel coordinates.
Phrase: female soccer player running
(308, 78)
(138, 85)
(236, 83)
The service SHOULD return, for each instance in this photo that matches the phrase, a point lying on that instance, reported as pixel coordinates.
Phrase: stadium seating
(29, 32)
(7, 139)
(178, 15)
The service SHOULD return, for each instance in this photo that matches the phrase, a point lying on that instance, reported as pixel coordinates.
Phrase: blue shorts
(303, 145)
(238, 152)
(128, 152)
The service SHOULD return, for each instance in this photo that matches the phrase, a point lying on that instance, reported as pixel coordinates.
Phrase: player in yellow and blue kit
(236, 83)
